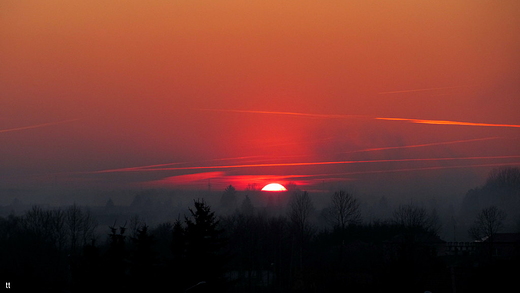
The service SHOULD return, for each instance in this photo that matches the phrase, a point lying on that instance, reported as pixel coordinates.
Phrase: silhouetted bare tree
(46, 226)
(416, 219)
(343, 210)
(504, 177)
(502, 189)
(300, 210)
(488, 222)
(80, 227)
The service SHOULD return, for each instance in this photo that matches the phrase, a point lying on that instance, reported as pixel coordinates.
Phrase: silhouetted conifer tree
(204, 243)
(229, 198)
(247, 207)
(143, 259)
(115, 275)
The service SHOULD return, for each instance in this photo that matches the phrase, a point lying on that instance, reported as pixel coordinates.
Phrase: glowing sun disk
(274, 187)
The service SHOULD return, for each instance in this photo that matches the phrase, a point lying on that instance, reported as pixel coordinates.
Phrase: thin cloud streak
(188, 178)
(302, 179)
(308, 164)
(37, 125)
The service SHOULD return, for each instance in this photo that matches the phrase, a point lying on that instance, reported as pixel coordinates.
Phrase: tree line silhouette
(249, 250)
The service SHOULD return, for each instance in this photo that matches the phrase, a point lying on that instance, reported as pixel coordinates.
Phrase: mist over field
(455, 208)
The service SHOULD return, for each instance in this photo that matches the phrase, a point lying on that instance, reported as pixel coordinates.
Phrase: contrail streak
(422, 145)
(337, 116)
(447, 122)
(37, 125)
(139, 168)
(284, 113)
(307, 164)
(421, 90)
(446, 167)
(401, 147)
(155, 167)
(414, 169)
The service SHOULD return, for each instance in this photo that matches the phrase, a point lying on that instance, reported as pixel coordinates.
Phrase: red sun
(274, 187)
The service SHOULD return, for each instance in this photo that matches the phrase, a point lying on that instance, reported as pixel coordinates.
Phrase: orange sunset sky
(176, 94)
